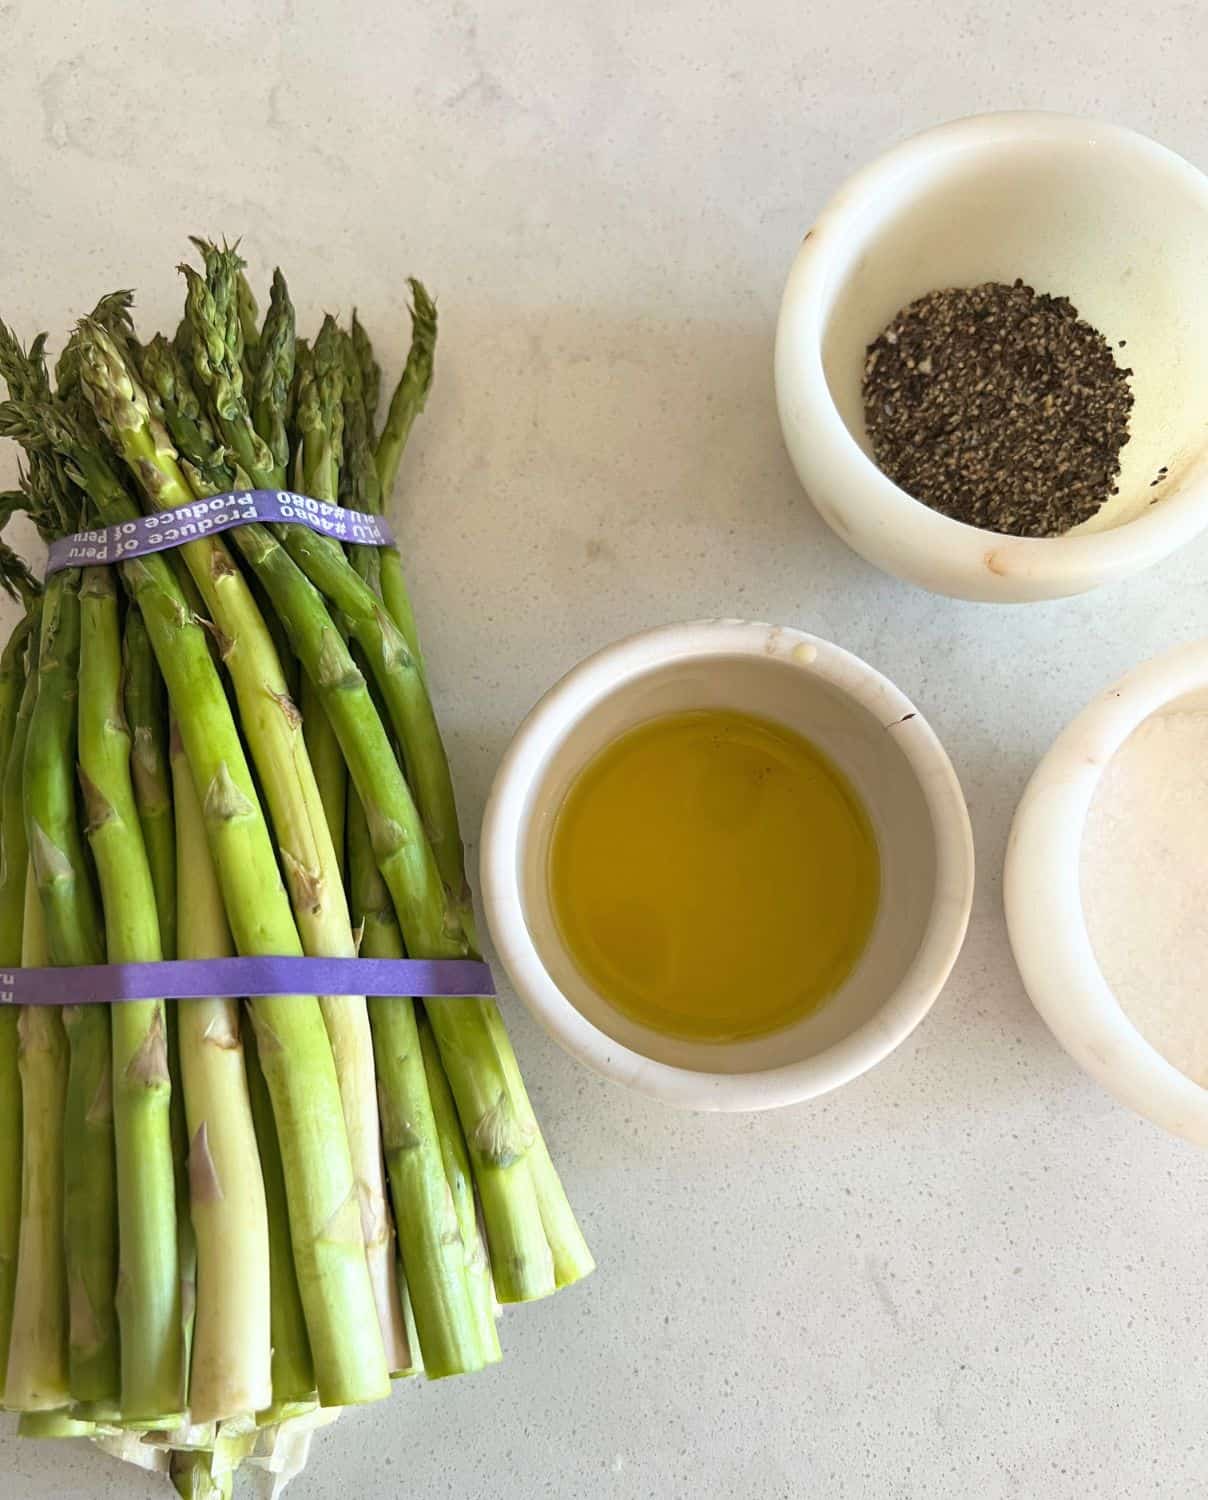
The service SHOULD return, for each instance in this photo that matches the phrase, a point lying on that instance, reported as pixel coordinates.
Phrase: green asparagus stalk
(407, 402)
(411, 393)
(461, 1185)
(430, 1242)
(232, 1348)
(147, 716)
(361, 492)
(149, 1291)
(324, 750)
(37, 1375)
(74, 936)
(318, 461)
(573, 1259)
(186, 1234)
(318, 465)
(272, 724)
(249, 322)
(275, 375)
(14, 859)
(12, 682)
(294, 1049)
(14, 849)
(370, 374)
(292, 1369)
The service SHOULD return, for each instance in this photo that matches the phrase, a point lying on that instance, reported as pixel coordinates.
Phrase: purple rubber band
(202, 978)
(201, 518)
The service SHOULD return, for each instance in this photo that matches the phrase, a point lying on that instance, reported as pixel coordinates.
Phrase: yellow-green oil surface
(713, 875)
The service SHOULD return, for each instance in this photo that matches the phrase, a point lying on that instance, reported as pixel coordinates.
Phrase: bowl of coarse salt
(1106, 890)
(992, 357)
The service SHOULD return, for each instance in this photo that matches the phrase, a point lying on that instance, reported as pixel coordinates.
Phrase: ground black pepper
(998, 406)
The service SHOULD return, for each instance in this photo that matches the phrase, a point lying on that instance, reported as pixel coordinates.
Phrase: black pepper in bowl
(998, 406)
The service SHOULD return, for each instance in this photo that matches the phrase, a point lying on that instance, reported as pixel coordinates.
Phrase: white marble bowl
(1099, 214)
(1042, 891)
(896, 765)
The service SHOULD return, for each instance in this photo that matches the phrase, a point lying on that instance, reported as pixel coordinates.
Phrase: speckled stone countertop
(968, 1273)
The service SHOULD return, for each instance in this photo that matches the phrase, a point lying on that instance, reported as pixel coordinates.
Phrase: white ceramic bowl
(867, 727)
(1042, 890)
(1094, 212)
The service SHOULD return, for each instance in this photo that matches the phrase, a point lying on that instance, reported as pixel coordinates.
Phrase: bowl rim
(1072, 562)
(1043, 903)
(509, 813)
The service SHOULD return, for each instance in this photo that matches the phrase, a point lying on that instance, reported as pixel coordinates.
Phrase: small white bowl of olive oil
(727, 864)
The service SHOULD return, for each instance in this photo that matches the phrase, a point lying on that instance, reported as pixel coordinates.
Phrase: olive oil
(713, 875)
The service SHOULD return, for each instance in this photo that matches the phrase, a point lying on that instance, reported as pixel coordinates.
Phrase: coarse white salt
(1145, 884)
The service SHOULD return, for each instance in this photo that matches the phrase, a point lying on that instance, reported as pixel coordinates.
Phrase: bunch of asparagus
(222, 1220)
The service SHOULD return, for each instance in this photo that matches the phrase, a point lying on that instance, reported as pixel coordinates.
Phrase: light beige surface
(969, 1273)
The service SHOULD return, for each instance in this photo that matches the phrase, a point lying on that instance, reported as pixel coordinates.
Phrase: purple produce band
(200, 518)
(201, 978)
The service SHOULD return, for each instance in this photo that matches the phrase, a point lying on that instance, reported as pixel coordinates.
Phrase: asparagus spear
(37, 1375)
(146, 714)
(230, 1372)
(149, 1291)
(292, 1372)
(318, 466)
(74, 936)
(411, 393)
(12, 681)
(14, 858)
(370, 374)
(362, 491)
(408, 400)
(275, 375)
(249, 321)
(461, 1185)
(296, 1055)
(324, 750)
(429, 1236)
